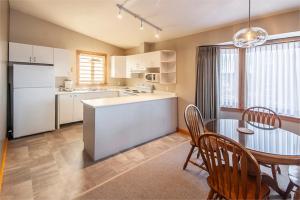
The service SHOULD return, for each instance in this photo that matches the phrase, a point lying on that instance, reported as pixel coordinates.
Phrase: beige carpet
(160, 178)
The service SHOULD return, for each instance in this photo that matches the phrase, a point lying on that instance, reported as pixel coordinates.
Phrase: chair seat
(294, 174)
(264, 191)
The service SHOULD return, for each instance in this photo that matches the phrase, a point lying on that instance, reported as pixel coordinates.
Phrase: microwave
(152, 77)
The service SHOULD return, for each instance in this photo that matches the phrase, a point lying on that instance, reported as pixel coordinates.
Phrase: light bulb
(157, 34)
(120, 14)
(249, 35)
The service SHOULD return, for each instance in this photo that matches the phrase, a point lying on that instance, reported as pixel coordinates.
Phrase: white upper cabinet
(130, 63)
(118, 67)
(42, 54)
(136, 63)
(62, 62)
(30, 53)
(161, 62)
(153, 59)
(20, 52)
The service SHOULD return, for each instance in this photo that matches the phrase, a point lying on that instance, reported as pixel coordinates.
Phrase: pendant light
(250, 36)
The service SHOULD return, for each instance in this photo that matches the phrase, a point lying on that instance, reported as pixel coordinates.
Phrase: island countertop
(142, 97)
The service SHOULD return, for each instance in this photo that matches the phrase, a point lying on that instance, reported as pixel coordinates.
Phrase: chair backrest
(262, 115)
(194, 122)
(228, 163)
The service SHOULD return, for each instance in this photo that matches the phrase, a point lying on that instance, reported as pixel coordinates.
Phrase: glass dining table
(268, 144)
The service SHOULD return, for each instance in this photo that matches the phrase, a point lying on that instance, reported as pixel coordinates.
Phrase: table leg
(273, 184)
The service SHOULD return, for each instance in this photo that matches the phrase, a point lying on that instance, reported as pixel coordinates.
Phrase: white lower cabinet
(70, 107)
(78, 107)
(65, 108)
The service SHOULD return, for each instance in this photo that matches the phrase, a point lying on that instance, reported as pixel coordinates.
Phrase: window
(91, 68)
(270, 77)
(273, 77)
(229, 75)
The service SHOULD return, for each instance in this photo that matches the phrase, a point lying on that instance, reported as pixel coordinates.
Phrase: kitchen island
(112, 125)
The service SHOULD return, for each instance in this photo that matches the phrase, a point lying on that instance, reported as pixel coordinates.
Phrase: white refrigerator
(33, 99)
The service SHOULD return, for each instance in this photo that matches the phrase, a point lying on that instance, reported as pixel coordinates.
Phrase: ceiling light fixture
(141, 27)
(157, 34)
(120, 14)
(143, 20)
(250, 36)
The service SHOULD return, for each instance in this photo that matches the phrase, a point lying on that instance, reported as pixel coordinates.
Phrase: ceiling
(98, 18)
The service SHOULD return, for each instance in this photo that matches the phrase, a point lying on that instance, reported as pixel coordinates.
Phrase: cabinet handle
(30, 59)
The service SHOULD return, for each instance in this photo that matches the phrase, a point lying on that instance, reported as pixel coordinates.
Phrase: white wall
(4, 16)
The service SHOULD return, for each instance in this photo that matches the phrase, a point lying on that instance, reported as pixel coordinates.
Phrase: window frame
(78, 52)
(242, 81)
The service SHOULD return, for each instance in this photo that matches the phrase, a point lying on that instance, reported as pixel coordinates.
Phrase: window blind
(91, 69)
(229, 77)
(273, 77)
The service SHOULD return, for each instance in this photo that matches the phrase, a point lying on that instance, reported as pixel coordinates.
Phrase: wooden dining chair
(264, 116)
(297, 194)
(228, 164)
(294, 175)
(195, 125)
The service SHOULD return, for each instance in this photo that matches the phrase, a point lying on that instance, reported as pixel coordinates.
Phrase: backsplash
(162, 87)
(59, 81)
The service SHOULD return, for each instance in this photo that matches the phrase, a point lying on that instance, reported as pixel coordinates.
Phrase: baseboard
(3, 156)
(183, 131)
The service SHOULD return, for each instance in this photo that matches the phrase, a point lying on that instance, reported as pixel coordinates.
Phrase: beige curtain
(207, 60)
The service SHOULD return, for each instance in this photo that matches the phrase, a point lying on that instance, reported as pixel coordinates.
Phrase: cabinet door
(118, 67)
(154, 59)
(142, 61)
(65, 108)
(20, 52)
(130, 63)
(42, 54)
(78, 107)
(62, 62)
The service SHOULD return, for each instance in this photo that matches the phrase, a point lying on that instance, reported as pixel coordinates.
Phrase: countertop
(95, 103)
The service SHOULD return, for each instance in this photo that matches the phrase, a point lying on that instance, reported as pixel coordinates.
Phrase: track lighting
(142, 20)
